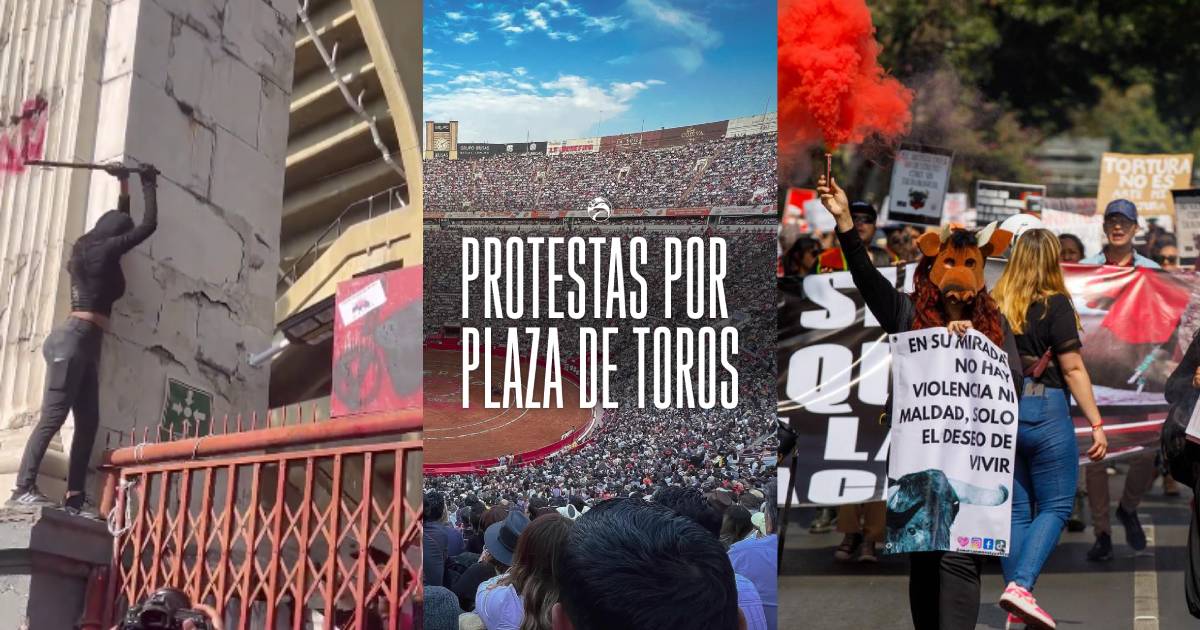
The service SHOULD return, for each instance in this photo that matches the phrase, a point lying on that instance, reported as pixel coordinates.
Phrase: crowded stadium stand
(725, 163)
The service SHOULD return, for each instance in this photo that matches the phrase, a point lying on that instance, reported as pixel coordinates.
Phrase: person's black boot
(1134, 534)
(1102, 550)
(78, 505)
(31, 498)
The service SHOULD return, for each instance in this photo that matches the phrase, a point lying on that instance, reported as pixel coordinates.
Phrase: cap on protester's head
(1123, 207)
(500, 539)
(863, 207)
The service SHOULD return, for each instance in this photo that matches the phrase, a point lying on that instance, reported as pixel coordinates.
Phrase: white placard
(362, 302)
(954, 434)
(919, 179)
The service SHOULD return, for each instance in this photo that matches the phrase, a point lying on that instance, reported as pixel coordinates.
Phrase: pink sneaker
(1020, 602)
(1014, 623)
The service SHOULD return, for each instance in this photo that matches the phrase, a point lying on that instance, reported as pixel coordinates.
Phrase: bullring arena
(459, 440)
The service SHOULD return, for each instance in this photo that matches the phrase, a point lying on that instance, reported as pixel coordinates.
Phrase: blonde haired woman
(1033, 297)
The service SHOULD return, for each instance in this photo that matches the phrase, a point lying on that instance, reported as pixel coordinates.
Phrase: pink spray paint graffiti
(23, 138)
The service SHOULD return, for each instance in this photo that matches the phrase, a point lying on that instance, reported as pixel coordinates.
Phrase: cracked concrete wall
(201, 89)
(202, 92)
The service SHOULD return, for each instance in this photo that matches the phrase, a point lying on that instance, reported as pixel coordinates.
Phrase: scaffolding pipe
(348, 428)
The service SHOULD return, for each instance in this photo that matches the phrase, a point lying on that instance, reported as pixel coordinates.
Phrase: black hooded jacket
(95, 266)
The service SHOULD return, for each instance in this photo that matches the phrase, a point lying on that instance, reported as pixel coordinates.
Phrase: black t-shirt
(1049, 324)
(466, 585)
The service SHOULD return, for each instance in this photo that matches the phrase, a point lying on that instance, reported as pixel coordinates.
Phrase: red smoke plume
(830, 85)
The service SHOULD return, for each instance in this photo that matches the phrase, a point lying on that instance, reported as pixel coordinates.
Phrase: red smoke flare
(830, 85)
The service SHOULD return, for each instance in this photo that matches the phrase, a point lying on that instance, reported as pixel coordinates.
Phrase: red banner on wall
(377, 333)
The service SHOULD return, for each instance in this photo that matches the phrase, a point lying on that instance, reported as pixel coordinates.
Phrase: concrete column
(200, 88)
(47, 556)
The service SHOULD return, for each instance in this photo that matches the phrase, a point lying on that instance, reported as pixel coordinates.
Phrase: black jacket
(1179, 391)
(896, 311)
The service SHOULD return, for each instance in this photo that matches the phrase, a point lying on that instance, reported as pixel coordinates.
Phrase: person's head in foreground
(534, 570)
(434, 506)
(949, 282)
(1166, 253)
(1032, 274)
(1070, 248)
(690, 502)
(864, 216)
(500, 539)
(635, 565)
(1120, 224)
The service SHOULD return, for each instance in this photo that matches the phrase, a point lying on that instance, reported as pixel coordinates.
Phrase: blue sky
(556, 69)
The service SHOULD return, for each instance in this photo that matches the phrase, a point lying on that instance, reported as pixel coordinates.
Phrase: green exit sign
(185, 408)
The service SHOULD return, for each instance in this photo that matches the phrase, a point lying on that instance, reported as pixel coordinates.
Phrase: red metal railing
(316, 536)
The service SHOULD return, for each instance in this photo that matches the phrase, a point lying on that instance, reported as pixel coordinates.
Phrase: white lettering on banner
(953, 438)
(842, 438)
(819, 377)
(841, 486)
(838, 309)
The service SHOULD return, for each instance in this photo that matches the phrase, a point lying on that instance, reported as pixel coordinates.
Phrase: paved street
(816, 592)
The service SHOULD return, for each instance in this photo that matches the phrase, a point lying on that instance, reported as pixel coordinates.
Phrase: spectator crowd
(735, 171)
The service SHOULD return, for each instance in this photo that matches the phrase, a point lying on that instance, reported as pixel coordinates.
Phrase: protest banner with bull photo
(953, 437)
(833, 364)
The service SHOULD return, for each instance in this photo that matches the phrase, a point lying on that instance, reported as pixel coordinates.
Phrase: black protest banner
(833, 364)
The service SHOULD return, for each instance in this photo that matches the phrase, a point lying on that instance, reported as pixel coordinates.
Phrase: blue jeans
(1045, 475)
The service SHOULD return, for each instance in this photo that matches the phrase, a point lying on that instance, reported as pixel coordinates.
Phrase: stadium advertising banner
(474, 149)
(751, 125)
(833, 363)
(578, 145)
(623, 142)
(1146, 180)
(482, 149)
(626, 213)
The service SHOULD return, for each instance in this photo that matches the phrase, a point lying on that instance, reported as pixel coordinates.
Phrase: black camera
(165, 609)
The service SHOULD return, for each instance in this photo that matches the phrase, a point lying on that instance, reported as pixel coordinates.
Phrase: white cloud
(604, 24)
(466, 37)
(536, 19)
(689, 25)
(694, 31)
(427, 51)
(497, 107)
(519, 71)
(477, 6)
(455, 15)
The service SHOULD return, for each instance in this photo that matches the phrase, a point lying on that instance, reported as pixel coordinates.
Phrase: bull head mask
(959, 256)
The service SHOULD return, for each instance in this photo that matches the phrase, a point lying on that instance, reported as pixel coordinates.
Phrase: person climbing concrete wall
(200, 88)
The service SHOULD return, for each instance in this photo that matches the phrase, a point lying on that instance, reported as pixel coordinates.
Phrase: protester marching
(986, 316)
